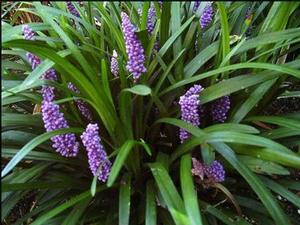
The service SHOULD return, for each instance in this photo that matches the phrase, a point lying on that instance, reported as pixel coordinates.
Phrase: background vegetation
(252, 48)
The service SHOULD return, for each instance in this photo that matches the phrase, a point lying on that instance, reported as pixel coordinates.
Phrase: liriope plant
(150, 113)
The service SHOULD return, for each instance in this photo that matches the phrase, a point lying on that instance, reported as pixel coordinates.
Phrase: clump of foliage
(150, 113)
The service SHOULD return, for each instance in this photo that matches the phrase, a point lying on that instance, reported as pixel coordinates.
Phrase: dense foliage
(150, 113)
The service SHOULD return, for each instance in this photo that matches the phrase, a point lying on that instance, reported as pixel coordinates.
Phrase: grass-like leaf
(188, 191)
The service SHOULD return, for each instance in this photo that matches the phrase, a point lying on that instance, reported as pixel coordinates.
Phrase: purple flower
(47, 91)
(196, 5)
(114, 66)
(150, 24)
(151, 17)
(206, 16)
(50, 75)
(134, 48)
(33, 60)
(84, 110)
(72, 9)
(215, 172)
(28, 33)
(160, 3)
(53, 119)
(195, 90)
(189, 105)
(220, 108)
(98, 161)
(81, 105)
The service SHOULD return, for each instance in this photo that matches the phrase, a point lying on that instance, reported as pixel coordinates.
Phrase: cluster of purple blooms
(191, 109)
(114, 66)
(48, 91)
(98, 161)
(150, 19)
(205, 19)
(53, 119)
(150, 24)
(189, 105)
(71, 8)
(66, 144)
(30, 35)
(220, 108)
(81, 105)
(196, 5)
(100, 166)
(206, 16)
(33, 60)
(160, 3)
(151, 16)
(214, 172)
(134, 48)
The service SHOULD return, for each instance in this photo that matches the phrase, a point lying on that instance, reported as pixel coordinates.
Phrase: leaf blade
(188, 191)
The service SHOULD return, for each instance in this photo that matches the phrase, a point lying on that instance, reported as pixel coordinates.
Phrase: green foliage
(151, 180)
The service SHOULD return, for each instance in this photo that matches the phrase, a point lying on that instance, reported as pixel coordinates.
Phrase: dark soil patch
(23, 207)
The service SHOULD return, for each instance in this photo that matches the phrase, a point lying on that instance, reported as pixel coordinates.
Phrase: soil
(285, 105)
(21, 208)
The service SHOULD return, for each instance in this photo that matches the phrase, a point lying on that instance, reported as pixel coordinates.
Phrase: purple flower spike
(73, 88)
(150, 19)
(215, 172)
(98, 161)
(84, 110)
(160, 3)
(33, 60)
(50, 75)
(220, 108)
(28, 33)
(190, 105)
(134, 49)
(81, 105)
(206, 16)
(53, 119)
(196, 6)
(47, 91)
(114, 66)
(150, 24)
(72, 9)
(195, 90)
